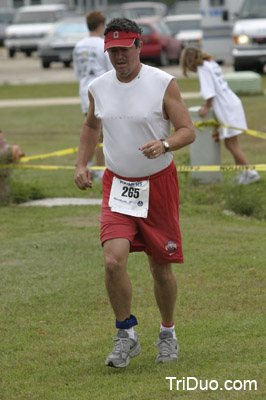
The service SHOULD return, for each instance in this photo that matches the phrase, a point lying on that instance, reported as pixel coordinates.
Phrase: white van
(249, 34)
(30, 25)
(218, 17)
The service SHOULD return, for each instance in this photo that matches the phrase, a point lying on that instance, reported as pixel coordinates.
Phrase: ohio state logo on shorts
(171, 246)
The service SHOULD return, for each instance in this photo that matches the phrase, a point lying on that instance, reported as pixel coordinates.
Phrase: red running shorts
(159, 234)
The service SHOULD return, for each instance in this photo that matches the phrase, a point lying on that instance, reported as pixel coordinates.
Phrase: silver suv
(30, 25)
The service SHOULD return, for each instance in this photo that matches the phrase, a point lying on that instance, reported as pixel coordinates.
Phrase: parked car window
(144, 12)
(162, 28)
(146, 30)
(110, 14)
(6, 18)
(176, 26)
(65, 30)
(35, 17)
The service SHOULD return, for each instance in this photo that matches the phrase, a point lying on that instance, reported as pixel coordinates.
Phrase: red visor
(120, 39)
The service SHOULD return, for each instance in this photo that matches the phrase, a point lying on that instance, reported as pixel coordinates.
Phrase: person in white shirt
(136, 105)
(90, 61)
(226, 105)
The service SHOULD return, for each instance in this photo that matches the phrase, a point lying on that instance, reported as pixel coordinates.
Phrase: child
(226, 105)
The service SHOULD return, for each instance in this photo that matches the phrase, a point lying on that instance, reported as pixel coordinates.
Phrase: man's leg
(165, 290)
(117, 281)
(119, 290)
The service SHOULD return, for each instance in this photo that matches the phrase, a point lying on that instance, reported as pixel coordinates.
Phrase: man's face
(125, 60)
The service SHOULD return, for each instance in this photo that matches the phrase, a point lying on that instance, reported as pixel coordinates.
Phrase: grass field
(56, 321)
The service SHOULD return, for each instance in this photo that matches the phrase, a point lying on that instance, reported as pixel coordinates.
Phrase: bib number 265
(130, 192)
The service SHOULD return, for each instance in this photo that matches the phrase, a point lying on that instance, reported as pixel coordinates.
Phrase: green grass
(34, 91)
(70, 89)
(56, 321)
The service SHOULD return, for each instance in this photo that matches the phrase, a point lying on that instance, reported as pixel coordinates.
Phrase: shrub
(246, 200)
(21, 192)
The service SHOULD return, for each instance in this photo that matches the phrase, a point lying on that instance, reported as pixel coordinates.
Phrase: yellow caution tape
(222, 168)
(181, 168)
(200, 125)
(216, 124)
(47, 155)
(55, 153)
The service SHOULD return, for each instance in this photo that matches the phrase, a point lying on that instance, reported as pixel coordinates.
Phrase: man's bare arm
(175, 110)
(88, 140)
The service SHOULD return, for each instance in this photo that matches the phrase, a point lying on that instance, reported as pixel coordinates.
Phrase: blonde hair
(191, 58)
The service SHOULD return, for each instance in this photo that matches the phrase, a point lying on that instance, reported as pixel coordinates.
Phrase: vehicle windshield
(253, 9)
(146, 29)
(162, 28)
(68, 29)
(188, 25)
(6, 18)
(143, 12)
(35, 17)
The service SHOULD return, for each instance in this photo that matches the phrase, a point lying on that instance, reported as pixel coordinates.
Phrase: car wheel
(67, 64)
(45, 64)
(11, 53)
(239, 67)
(259, 68)
(28, 53)
(163, 60)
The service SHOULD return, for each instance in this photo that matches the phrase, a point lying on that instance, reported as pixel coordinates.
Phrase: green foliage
(244, 201)
(21, 192)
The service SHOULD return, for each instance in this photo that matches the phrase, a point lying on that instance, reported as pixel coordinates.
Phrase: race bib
(130, 198)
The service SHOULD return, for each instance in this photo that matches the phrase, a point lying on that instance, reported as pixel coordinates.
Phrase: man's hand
(83, 178)
(152, 149)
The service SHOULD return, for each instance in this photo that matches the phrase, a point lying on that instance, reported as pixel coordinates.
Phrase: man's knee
(161, 272)
(115, 257)
(114, 266)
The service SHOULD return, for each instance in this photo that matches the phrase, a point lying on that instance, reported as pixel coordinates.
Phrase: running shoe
(249, 177)
(125, 348)
(246, 177)
(168, 347)
(239, 176)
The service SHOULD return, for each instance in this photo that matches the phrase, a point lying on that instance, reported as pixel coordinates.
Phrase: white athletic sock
(169, 329)
(130, 332)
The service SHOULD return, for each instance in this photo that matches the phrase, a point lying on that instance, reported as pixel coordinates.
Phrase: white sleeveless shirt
(132, 114)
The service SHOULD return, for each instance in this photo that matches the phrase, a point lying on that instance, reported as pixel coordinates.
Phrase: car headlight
(241, 39)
